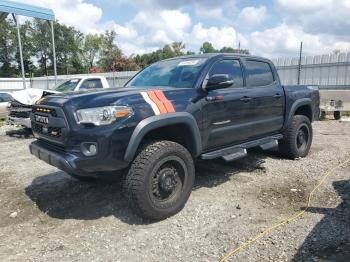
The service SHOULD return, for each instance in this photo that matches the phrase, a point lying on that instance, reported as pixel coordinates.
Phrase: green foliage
(90, 49)
(110, 52)
(207, 47)
(8, 45)
(76, 52)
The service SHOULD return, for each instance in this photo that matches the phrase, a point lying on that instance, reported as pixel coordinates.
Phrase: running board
(239, 151)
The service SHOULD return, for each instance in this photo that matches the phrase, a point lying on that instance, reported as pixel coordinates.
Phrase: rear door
(266, 101)
(223, 109)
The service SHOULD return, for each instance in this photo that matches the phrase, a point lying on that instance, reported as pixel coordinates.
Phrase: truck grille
(20, 110)
(49, 111)
(49, 123)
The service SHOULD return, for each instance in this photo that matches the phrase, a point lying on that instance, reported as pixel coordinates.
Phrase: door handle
(278, 95)
(245, 99)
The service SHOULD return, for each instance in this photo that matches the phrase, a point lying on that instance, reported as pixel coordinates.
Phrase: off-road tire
(141, 180)
(288, 146)
(337, 115)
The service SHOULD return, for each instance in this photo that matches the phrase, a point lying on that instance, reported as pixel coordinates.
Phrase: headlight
(100, 116)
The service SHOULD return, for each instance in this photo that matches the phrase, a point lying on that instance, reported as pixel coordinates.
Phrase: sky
(267, 28)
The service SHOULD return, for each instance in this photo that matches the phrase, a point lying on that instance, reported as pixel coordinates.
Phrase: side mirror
(219, 81)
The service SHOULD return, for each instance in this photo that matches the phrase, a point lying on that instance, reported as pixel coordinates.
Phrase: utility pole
(239, 46)
(299, 65)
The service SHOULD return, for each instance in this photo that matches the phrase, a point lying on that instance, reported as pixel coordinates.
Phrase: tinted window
(258, 73)
(68, 86)
(229, 67)
(91, 84)
(5, 97)
(181, 73)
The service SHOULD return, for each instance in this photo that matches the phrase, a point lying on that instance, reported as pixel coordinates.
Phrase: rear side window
(91, 84)
(230, 67)
(258, 73)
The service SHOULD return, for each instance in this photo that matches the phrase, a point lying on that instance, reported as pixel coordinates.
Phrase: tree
(125, 64)
(67, 41)
(91, 48)
(207, 47)
(109, 51)
(8, 47)
(41, 37)
(178, 47)
(226, 49)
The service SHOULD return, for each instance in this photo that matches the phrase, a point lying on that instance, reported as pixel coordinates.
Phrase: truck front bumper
(19, 121)
(60, 160)
(74, 162)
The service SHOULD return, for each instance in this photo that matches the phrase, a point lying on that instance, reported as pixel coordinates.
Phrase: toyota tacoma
(170, 114)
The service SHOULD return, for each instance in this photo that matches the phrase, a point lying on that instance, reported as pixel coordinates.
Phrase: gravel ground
(47, 216)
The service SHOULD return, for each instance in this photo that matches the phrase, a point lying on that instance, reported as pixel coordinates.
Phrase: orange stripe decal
(168, 105)
(159, 103)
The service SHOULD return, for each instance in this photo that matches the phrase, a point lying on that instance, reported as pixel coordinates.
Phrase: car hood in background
(30, 96)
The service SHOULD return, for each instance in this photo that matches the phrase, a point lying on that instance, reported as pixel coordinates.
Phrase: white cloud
(218, 36)
(211, 13)
(318, 16)
(175, 19)
(323, 25)
(285, 40)
(252, 16)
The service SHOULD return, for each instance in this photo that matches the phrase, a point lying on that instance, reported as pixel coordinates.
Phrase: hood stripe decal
(158, 102)
(151, 103)
(168, 105)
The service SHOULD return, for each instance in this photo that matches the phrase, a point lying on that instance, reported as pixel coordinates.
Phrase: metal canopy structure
(14, 8)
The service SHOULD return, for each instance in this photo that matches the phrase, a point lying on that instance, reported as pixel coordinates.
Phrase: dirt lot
(47, 216)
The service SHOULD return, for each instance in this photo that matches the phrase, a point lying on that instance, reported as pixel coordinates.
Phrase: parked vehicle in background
(172, 112)
(334, 106)
(5, 99)
(21, 106)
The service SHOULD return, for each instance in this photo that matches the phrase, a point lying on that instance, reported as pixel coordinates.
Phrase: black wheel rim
(302, 137)
(168, 179)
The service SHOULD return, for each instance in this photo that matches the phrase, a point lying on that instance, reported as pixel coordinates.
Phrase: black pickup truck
(170, 114)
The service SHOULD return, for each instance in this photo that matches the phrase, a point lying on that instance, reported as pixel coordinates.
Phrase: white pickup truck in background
(21, 106)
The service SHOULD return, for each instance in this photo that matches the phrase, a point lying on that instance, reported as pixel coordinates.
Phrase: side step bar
(239, 151)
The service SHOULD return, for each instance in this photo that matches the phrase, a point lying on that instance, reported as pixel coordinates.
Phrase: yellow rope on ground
(286, 221)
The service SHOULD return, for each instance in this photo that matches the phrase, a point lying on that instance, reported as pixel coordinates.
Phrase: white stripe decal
(151, 103)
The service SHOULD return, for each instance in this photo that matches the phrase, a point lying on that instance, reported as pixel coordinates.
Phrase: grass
(2, 121)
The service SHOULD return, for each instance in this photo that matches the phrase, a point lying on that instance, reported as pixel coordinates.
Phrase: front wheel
(297, 138)
(160, 179)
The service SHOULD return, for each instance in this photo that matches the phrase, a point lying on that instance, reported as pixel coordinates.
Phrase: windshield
(68, 86)
(181, 73)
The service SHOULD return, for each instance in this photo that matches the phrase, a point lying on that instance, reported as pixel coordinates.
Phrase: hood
(94, 98)
(30, 96)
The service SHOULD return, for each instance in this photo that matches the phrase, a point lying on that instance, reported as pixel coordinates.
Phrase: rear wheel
(337, 115)
(160, 179)
(297, 138)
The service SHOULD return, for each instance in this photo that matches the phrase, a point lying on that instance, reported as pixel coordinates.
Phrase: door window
(229, 67)
(258, 73)
(91, 84)
(5, 97)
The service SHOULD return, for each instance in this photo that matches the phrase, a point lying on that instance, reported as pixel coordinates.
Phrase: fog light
(89, 149)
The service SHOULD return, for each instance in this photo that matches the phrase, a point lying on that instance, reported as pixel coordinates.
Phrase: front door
(224, 110)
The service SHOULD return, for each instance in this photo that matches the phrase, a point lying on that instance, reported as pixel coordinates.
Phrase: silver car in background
(5, 99)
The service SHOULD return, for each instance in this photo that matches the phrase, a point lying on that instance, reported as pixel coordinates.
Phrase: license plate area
(44, 120)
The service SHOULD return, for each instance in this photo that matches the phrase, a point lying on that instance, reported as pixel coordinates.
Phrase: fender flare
(154, 122)
(295, 106)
